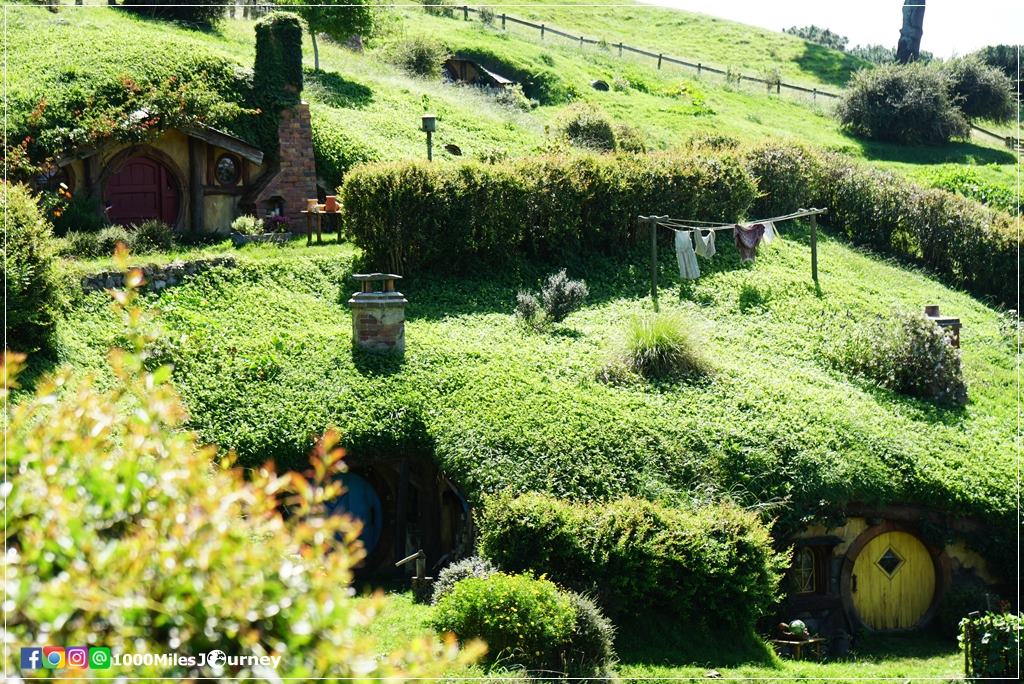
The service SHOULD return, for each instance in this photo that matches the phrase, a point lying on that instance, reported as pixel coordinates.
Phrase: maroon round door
(140, 190)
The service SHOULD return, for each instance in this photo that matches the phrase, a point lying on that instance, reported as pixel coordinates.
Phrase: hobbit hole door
(362, 502)
(140, 190)
(893, 581)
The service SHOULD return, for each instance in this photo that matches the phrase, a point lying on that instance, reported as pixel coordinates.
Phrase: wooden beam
(195, 185)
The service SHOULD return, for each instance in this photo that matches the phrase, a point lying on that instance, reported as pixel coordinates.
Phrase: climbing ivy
(277, 73)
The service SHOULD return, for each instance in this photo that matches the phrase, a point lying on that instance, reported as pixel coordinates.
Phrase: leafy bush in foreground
(32, 294)
(141, 544)
(590, 651)
(908, 353)
(901, 103)
(637, 555)
(413, 216)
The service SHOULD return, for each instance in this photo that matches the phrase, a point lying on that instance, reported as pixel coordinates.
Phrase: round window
(228, 169)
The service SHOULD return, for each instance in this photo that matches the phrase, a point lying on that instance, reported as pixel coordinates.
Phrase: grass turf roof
(263, 360)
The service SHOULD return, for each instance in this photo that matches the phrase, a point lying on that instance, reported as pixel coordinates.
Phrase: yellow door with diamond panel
(893, 581)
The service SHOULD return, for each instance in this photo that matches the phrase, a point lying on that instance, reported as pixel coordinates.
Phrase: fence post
(654, 261)
(814, 247)
(620, 49)
(659, 60)
(699, 67)
(778, 87)
(465, 13)
(814, 95)
(542, 31)
(581, 42)
(502, 21)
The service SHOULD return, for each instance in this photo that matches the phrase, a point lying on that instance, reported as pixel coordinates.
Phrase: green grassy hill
(263, 359)
(365, 109)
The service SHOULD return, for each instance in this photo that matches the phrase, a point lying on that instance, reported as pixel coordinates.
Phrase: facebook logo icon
(31, 658)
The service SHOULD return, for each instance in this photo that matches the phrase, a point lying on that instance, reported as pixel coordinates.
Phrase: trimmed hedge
(412, 216)
(714, 561)
(963, 242)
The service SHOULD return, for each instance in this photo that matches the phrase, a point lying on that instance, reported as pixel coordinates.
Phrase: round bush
(523, 621)
(901, 103)
(474, 566)
(419, 55)
(247, 225)
(588, 127)
(151, 236)
(109, 238)
(590, 651)
(907, 353)
(979, 90)
(33, 294)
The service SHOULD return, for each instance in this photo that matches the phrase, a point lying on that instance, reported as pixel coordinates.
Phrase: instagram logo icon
(78, 657)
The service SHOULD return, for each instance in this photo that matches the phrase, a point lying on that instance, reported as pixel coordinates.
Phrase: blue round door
(362, 502)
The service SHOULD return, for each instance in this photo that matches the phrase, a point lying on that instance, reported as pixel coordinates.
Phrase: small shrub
(247, 225)
(151, 236)
(712, 141)
(630, 139)
(82, 213)
(992, 645)
(109, 238)
(901, 103)
(559, 297)
(196, 13)
(80, 245)
(32, 293)
(980, 91)
(907, 353)
(487, 15)
(586, 126)
(474, 566)
(438, 8)
(524, 621)
(663, 345)
(514, 97)
(590, 650)
(419, 55)
(715, 562)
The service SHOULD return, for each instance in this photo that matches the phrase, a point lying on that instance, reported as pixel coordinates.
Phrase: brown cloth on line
(747, 239)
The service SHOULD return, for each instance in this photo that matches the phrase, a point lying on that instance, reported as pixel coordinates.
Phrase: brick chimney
(291, 178)
(295, 180)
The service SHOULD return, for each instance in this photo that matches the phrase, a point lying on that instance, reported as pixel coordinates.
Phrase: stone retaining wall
(156, 276)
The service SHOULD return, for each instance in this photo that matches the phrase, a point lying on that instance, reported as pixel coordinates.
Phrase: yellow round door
(893, 581)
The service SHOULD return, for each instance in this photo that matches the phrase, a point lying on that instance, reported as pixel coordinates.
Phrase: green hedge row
(414, 216)
(965, 243)
(714, 561)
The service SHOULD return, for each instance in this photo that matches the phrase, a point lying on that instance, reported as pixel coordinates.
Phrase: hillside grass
(263, 358)
(364, 109)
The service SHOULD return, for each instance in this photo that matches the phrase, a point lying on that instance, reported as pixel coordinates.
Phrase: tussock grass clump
(661, 345)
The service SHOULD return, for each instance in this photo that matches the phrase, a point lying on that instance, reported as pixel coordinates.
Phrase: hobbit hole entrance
(142, 189)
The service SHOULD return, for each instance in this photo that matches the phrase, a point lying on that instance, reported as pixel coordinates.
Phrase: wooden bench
(796, 646)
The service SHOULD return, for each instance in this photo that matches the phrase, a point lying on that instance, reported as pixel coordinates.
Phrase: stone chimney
(295, 179)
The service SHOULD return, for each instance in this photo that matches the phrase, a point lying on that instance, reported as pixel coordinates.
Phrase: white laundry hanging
(688, 268)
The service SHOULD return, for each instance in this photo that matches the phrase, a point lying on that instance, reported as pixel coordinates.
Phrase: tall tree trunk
(316, 52)
(909, 47)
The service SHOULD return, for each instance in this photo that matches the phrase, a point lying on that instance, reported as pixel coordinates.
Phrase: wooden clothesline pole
(654, 221)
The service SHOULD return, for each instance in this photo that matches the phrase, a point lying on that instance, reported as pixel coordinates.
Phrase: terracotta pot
(331, 204)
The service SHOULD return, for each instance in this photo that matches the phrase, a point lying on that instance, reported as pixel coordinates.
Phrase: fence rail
(662, 58)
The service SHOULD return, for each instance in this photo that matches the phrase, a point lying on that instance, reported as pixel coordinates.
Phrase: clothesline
(711, 226)
(672, 223)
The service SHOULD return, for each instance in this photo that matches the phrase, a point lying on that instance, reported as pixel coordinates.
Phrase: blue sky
(950, 26)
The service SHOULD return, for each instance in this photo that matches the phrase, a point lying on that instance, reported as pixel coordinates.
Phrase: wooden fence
(660, 58)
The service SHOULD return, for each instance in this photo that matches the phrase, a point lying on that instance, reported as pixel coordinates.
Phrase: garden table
(316, 218)
(797, 645)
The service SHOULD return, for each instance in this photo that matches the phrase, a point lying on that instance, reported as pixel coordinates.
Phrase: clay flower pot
(331, 205)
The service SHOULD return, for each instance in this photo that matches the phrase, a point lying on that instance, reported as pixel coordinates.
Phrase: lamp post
(428, 126)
